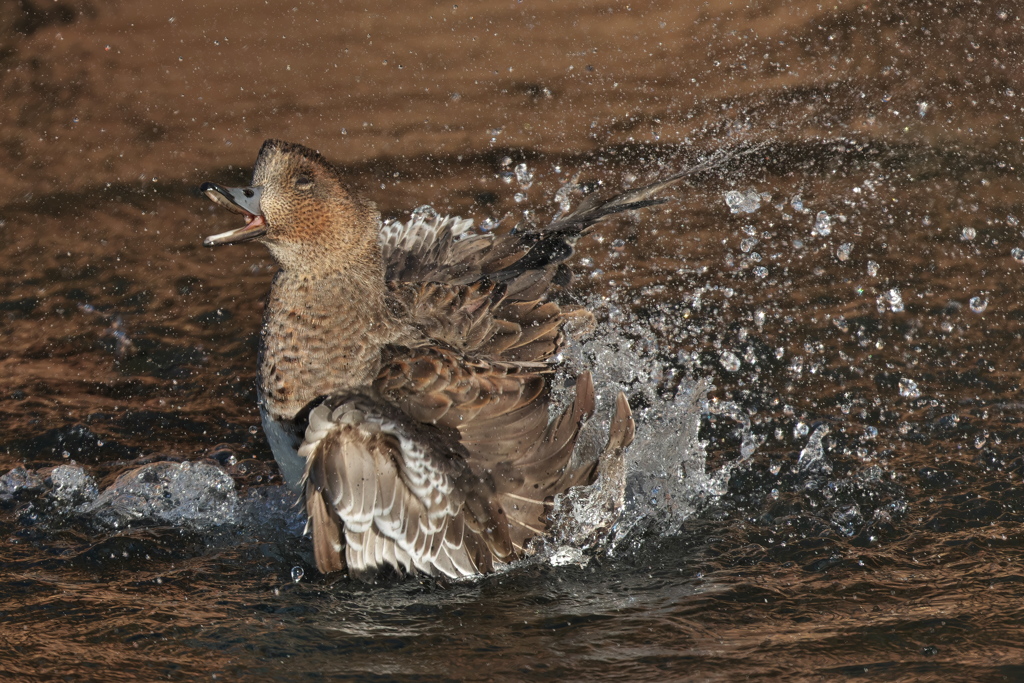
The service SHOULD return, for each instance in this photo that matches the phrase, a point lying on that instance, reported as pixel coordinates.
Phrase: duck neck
(322, 334)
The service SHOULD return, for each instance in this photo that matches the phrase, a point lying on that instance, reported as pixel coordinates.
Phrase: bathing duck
(405, 370)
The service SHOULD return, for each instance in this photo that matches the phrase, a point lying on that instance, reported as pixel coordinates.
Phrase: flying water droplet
(297, 574)
(730, 361)
(813, 454)
(968, 234)
(895, 300)
(978, 304)
(844, 250)
(908, 388)
(424, 213)
(564, 195)
(872, 269)
(524, 176)
(822, 224)
(743, 202)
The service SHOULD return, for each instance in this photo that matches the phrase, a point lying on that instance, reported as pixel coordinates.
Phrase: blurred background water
(821, 339)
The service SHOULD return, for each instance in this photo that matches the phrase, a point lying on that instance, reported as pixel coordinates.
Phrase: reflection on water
(838, 315)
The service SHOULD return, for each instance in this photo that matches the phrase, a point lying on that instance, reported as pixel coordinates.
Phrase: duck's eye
(303, 182)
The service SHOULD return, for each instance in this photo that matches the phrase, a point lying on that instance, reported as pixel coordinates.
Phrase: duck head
(299, 206)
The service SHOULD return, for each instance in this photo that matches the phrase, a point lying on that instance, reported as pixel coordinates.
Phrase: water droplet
(760, 272)
(968, 234)
(759, 317)
(525, 176)
(564, 195)
(870, 432)
(872, 269)
(519, 197)
(1018, 254)
(978, 304)
(424, 213)
(254, 430)
(908, 388)
(813, 454)
(297, 574)
(895, 300)
(822, 224)
(797, 203)
(800, 429)
(844, 250)
(730, 361)
(743, 202)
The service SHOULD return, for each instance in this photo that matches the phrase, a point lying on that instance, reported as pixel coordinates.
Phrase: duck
(405, 370)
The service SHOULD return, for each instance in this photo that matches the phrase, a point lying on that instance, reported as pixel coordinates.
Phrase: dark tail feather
(555, 241)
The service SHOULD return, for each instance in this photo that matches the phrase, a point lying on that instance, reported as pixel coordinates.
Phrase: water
(820, 340)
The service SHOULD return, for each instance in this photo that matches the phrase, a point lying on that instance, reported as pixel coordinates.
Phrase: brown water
(860, 310)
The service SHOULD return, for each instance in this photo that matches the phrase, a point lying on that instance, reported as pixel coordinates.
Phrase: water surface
(845, 298)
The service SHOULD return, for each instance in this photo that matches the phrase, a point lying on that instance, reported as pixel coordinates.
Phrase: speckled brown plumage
(405, 371)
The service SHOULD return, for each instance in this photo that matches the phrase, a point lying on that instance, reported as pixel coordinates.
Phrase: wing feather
(396, 491)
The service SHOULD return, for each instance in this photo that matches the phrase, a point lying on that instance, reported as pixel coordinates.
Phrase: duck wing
(385, 490)
(499, 413)
(480, 320)
(528, 260)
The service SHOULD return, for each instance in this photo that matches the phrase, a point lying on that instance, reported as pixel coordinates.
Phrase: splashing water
(665, 479)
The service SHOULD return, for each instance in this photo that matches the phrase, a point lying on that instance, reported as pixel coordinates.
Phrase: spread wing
(388, 491)
(500, 413)
(451, 461)
(432, 248)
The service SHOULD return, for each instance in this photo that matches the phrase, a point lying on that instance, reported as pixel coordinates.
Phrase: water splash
(664, 481)
(194, 494)
(812, 457)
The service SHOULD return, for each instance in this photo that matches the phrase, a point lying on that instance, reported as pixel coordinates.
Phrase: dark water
(853, 508)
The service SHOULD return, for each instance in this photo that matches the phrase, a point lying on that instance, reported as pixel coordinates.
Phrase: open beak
(241, 200)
